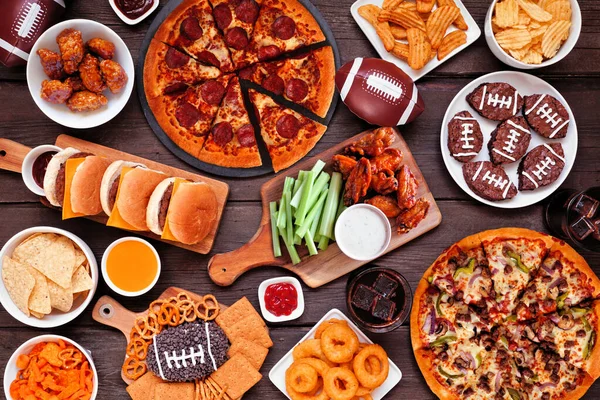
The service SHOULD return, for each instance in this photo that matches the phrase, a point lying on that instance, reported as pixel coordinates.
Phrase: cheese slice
(115, 219)
(167, 234)
(70, 167)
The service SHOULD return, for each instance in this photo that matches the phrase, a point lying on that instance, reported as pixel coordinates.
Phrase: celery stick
(320, 183)
(297, 184)
(310, 243)
(297, 240)
(331, 205)
(313, 214)
(309, 180)
(274, 233)
(318, 167)
(340, 210)
(295, 202)
(289, 224)
(281, 216)
(290, 248)
(323, 243)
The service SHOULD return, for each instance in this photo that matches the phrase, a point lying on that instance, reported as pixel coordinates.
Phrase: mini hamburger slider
(134, 191)
(73, 177)
(181, 210)
(110, 183)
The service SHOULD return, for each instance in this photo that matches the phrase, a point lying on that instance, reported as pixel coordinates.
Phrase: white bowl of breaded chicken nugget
(565, 10)
(106, 87)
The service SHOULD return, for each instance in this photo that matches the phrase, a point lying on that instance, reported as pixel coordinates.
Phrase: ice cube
(364, 297)
(597, 229)
(582, 228)
(586, 206)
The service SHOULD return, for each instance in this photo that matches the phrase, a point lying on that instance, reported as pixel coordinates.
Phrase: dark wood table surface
(577, 77)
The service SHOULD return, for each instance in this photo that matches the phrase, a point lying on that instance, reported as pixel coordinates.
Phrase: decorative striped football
(379, 92)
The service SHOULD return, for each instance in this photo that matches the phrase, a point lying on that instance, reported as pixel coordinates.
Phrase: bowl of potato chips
(530, 34)
(49, 276)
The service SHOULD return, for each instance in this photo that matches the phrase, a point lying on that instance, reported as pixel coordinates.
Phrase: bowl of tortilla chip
(49, 276)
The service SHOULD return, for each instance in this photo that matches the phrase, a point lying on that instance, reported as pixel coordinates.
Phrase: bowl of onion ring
(361, 368)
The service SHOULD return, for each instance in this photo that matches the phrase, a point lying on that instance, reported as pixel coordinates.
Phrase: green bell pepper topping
(449, 375)
(468, 269)
(430, 279)
(578, 312)
(516, 260)
(504, 341)
(586, 324)
(514, 395)
(478, 360)
(590, 345)
(444, 339)
(560, 300)
(511, 318)
(438, 308)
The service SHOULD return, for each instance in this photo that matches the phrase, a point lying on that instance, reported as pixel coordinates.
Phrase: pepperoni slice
(247, 11)
(235, 3)
(212, 92)
(268, 52)
(288, 126)
(222, 15)
(175, 88)
(296, 89)
(232, 95)
(222, 133)
(247, 72)
(236, 38)
(284, 27)
(246, 136)
(208, 58)
(187, 115)
(175, 59)
(274, 84)
(190, 27)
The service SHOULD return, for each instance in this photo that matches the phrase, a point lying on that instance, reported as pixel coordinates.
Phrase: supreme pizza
(508, 314)
(206, 54)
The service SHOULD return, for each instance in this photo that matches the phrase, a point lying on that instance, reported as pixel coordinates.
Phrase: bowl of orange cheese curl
(50, 367)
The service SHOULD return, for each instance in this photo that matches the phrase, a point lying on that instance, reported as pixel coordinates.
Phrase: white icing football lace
(478, 171)
(469, 153)
(495, 101)
(544, 167)
(483, 97)
(193, 354)
(515, 102)
(535, 105)
(467, 129)
(160, 371)
(464, 118)
(384, 86)
(503, 154)
(208, 347)
(492, 179)
(545, 113)
(531, 179)
(546, 145)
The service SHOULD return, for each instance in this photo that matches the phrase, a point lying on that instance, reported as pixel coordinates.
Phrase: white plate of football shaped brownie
(509, 139)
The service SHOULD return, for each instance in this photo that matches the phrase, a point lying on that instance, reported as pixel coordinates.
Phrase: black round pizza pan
(266, 168)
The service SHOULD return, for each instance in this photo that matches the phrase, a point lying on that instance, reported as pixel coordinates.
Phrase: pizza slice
(236, 20)
(514, 255)
(288, 135)
(167, 70)
(187, 117)
(307, 79)
(231, 142)
(564, 280)
(191, 28)
(282, 26)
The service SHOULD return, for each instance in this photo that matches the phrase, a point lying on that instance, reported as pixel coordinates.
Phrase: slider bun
(85, 186)
(192, 212)
(153, 211)
(52, 173)
(112, 173)
(134, 193)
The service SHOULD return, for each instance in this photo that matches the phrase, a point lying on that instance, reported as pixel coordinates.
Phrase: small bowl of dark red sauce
(133, 11)
(378, 299)
(34, 167)
(281, 299)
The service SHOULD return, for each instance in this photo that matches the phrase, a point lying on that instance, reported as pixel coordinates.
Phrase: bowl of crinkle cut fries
(529, 34)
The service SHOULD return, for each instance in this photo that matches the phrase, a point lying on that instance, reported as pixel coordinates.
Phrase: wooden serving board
(16, 152)
(328, 265)
(109, 312)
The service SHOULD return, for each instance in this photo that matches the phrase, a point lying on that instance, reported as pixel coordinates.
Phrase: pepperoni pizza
(192, 89)
(508, 314)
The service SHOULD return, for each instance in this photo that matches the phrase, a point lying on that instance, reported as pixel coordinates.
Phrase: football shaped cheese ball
(379, 92)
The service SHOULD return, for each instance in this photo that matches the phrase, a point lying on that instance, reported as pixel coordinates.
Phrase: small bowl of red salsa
(281, 299)
(33, 168)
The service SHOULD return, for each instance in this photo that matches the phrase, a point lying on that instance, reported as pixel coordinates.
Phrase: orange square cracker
(237, 375)
(251, 328)
(143, 387)
(255, 353)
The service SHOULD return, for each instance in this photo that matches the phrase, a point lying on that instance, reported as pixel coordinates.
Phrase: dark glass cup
(574, 216)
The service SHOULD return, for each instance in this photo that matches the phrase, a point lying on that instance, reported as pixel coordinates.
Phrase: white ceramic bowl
(128, 20)
(347, 248)
(261, 298)
(55, 318)
(59, 113)
(27, 167)
(507, 59)
(10, 372)
(114, 287)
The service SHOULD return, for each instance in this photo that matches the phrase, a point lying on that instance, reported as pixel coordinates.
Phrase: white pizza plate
(526, 85)
(472, 34)
(277, 373)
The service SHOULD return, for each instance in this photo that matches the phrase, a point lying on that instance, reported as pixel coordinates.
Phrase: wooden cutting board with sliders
(108, 311)
(332, 263)
(16, 152)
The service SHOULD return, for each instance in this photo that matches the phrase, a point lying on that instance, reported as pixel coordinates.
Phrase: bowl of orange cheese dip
(130, 266)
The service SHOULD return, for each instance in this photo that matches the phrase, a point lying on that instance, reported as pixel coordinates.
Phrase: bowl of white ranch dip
(363, 232)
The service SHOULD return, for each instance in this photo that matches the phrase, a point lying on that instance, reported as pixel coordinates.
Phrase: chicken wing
(373, 144)
(114, 75)
(358, 182)
(410, 218)
(102, 48)
(76, 83)
(70, 44)
(89, 71)
(86, 101)
(55, 91)
(384, 182)
(387, 204)
(390, 159)
(52, 64)
(343, 164)
(407, 188)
